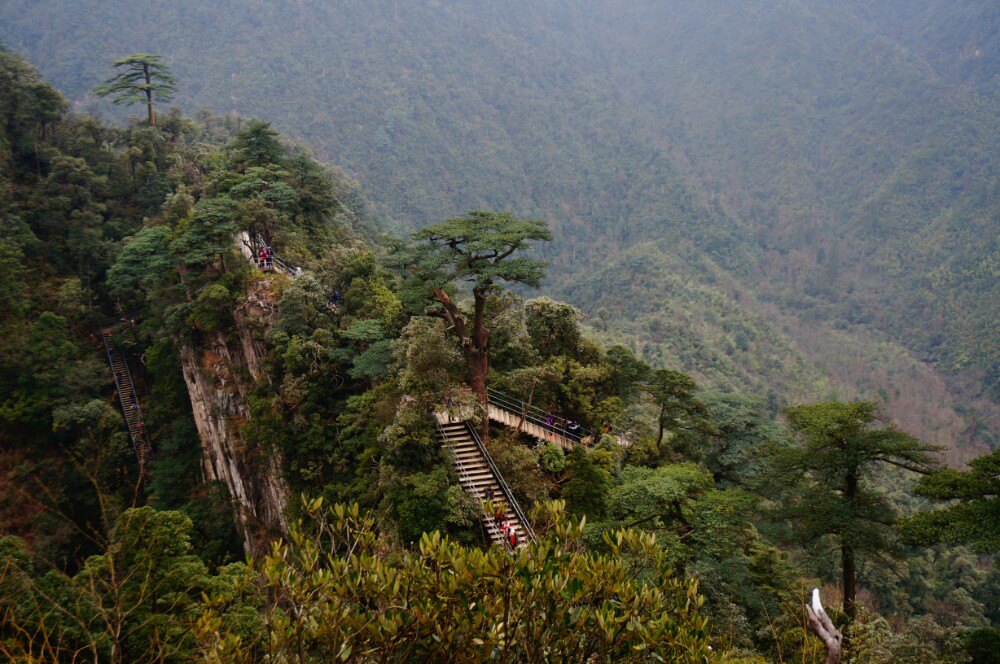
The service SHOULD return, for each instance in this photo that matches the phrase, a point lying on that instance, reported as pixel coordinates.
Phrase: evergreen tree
(825, 480)
(143, 78)
(478, 249)
(587, 487)
(975, 517)
(745, 430)
(257, 145)
(554, 327)
(680, 412)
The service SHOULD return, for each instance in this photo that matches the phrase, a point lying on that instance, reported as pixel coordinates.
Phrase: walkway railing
(540, 417)
(537, 416)
(249, 249)
(462, 470)
(464, 473)
(285, 266)
(501, 481)
(128, 399)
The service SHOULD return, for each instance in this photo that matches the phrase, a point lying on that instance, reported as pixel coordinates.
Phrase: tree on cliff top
(143, 78)
(478, 249)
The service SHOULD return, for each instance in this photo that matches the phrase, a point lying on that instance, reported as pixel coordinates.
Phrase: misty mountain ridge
(822, 174)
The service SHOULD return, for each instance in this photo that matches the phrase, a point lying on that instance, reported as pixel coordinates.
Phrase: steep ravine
(220, 371)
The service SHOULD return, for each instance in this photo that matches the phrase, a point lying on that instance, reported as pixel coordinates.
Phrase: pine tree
(680, 412)
(143, 78)
(823, 481)
(478, 249)
(974, 516)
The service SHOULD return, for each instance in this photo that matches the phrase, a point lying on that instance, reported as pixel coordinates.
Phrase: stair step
(466, 469)
(126, 397)
(469, 457)
(465, 452)
(478, 475)
(463, 446)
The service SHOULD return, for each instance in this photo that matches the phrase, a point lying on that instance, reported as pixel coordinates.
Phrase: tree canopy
(826, 480)
(974, 515)
(478, 249)
(143, 78)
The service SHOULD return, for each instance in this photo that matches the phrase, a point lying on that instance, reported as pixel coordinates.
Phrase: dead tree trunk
(823, 627)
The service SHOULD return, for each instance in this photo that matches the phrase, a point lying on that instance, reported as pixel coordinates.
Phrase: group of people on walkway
(265, 259)
(566, 428)
(507, 530)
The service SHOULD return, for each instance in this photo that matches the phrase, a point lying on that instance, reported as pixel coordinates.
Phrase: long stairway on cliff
(128, 398)
(480, 478)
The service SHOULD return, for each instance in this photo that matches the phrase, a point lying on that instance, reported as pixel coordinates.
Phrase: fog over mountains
(799, 197)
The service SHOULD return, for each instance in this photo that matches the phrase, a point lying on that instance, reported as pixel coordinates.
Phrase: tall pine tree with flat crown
(477, 249)
(142, 78)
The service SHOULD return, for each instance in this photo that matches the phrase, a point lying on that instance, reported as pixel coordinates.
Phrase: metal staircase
(479, 477)
(128, 398)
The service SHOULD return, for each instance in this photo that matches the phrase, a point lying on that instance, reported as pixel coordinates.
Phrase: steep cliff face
(220, 373)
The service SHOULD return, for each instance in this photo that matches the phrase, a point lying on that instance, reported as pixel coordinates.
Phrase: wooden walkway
(537, 431)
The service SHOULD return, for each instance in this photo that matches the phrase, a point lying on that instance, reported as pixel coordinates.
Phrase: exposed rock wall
(220, 373)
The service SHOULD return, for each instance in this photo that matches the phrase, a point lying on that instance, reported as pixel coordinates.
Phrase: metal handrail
(501, 481)
(522, 406)
(285, 266)
(282, 265)
(464, 472)
(509, 403)
(142, 445)
(534, 414)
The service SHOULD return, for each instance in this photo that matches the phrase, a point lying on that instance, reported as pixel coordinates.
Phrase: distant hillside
(826, 168)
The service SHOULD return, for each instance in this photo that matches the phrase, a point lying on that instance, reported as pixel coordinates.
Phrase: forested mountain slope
(834, 162)
(293, 414)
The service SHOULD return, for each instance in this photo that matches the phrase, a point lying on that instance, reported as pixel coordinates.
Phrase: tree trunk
(477, 366)
(524, 408)
(475, 347)
(659, 436)
(149, 97)
(481, 346)
(850, 580)
(847, 550)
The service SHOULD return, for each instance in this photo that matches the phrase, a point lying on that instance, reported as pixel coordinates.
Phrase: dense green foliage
(974, 519)
(825, 487)
(674, 541)
(343, 597)
(783, 193)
